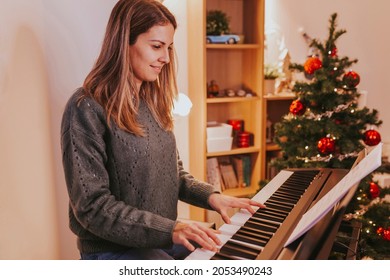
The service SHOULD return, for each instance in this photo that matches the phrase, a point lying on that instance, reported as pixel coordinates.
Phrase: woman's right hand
(205, 237)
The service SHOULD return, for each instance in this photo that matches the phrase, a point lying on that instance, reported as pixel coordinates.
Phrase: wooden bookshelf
(236, 66)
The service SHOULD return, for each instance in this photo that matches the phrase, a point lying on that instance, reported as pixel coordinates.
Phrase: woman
(122, 168)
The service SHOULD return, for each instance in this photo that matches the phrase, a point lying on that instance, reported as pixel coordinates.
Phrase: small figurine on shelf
(230, 93)
(270, 75)
(286, 82)
(241, 93)
(212, 89)
(218, 29)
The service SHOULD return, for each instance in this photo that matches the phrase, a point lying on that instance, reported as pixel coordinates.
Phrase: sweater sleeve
(93, 205)
(193, 191)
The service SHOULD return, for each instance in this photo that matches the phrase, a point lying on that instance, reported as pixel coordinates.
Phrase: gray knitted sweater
(123, 189)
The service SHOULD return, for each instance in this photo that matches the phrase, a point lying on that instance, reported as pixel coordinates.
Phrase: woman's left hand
(222, 203)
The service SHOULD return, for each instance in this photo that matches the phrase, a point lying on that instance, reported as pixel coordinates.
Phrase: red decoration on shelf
(243, 139)
(351, 79)
(297, 108)
(326, 145)
(374, 190)
(312, 64)
(372, 137)
(238, 125)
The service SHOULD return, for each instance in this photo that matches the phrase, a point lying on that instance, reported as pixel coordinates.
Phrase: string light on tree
(333, 51)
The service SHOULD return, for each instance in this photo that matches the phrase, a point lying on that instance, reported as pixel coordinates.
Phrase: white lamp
(182, 105)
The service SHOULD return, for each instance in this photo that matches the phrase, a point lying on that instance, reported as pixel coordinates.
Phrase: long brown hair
(110, 81)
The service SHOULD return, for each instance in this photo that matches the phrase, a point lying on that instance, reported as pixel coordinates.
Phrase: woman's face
(151, 52)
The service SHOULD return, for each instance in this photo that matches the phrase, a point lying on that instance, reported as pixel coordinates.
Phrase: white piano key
(229, 229)
(200, 254)
(246, 244)
(240, 217)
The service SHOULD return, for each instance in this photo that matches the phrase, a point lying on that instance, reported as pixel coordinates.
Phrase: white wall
(28, 221)
(367, 39)
(46, 49)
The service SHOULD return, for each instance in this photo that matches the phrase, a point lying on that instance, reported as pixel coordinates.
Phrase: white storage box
(218, 130)
(219, 144)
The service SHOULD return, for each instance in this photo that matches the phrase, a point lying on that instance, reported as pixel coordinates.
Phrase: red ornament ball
(386, 234)
(333, 52)
(326, 145)
(297, 108)
(312, 64)
(372, 137)
(351, 79)
(374, 190)
(380, 230)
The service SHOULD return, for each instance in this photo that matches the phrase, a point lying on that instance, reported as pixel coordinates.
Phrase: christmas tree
(326, 127)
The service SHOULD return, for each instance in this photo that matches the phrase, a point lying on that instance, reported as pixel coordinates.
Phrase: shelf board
(231, 99)
(232, 46)
(235, 151)
(272, 147)
(241, 192)
(279, 96)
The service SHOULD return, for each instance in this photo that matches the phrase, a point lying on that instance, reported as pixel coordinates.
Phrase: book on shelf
(239, 168)
(242, 166)
(228, 175)
(228, 172)
(214, 176)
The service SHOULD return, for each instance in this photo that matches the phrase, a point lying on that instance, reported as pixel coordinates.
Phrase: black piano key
(295, 186)
(301, 178)
(235, 249)
(261, 226)
(249, 239)
(306, 173)
(277, 206)
(291, 191)
(289, 194)
(283, 197)
(269, 217)
(292, 188)
(281, 202)
(272, 211)
(260, 235)
(265, 221)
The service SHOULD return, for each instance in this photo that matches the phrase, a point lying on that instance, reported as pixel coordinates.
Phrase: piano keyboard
(247, 235)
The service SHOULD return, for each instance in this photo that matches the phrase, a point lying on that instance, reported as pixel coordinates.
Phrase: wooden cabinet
(232, 66)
